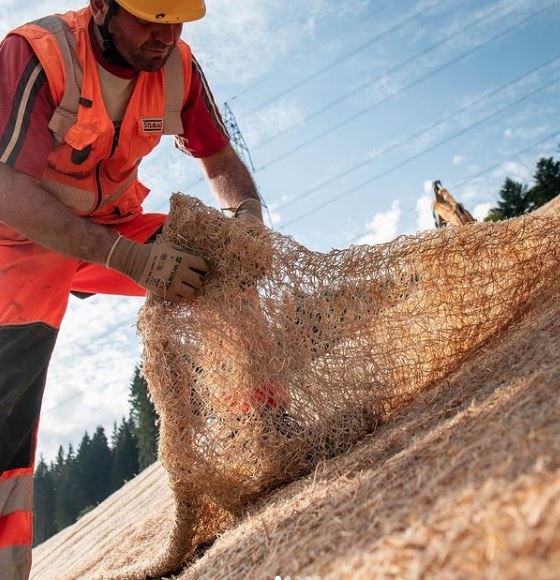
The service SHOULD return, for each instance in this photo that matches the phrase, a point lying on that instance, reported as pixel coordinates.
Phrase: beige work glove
(160, 267)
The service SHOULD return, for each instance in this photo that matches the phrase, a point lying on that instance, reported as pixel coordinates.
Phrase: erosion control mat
(289, 357)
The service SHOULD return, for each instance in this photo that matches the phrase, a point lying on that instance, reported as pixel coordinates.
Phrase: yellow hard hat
(165, 11)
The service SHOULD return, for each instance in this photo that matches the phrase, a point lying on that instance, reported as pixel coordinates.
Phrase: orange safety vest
(93, 169)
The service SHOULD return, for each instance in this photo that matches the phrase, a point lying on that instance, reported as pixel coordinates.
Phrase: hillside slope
(95, 534)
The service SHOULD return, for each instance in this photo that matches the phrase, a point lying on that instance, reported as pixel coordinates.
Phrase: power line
(304, 55)
(340, 60)
(497, 165)
(368, 109)
(62, 403)
(195, 182)
(417, 156)
(386, 99)
(493, 167)
(414, 136)
(384, 74)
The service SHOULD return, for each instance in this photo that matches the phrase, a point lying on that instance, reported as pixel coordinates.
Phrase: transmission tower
(239, 144)
(237, 139)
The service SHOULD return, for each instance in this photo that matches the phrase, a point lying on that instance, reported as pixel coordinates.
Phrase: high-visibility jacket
(93, 167)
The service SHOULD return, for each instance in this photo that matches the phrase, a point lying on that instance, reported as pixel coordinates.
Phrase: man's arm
(230, 180)
(35, 213)
(24, 151)
(160, 268)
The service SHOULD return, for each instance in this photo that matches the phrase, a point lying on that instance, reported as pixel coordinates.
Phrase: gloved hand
(160, 267)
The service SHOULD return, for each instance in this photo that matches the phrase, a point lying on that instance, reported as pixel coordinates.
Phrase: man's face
(145, 45)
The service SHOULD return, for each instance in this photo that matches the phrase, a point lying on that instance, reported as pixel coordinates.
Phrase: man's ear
(99, 9)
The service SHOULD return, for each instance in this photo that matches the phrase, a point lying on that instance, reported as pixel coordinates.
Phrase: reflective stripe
(75, 197)
(66, 115)
(118, 192)
(82, 199)
(209, 99)
(174, 86)
(15, 472)
(16, 529)
(15, 562)
(16, 494)
(23, 111)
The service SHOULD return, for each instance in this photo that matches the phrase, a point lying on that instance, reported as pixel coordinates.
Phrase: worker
(84, 97)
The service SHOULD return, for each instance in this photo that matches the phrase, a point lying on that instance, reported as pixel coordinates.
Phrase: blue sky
(435, 88)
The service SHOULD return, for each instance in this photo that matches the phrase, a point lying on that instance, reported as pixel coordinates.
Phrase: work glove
(160, 267)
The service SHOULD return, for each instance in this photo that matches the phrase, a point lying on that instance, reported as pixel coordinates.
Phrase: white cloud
(424, 215)
(276, 118)
(458, 159)
(14, 13)
(383, 227)
(234, 40)
(91, 368)
(481, 210)
(470, 192)
(515, 170)
(275, 217)
(525, 133)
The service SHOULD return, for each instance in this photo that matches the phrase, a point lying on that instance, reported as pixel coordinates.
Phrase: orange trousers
(35, 284)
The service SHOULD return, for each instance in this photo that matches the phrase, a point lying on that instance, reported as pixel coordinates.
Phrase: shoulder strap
(66, 115)
(174, 86)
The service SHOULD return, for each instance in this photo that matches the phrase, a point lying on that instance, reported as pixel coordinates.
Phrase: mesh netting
(289, 356)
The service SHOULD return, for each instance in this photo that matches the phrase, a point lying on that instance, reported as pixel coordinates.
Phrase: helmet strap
(110, 52)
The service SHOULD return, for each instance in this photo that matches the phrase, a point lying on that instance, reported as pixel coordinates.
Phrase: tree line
(78, 480)
(517, 198)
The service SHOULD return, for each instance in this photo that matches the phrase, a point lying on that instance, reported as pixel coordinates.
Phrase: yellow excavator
(448, 212)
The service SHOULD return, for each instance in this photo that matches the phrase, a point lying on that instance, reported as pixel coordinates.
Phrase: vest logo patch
(152, 125)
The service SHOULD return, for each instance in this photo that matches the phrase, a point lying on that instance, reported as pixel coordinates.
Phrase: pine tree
(93, 470)
(125, 454)
(494, 215)
(513, 199)
(547, 182)
(81, 479)
(101, 466)
(145, 419)
(516, 199)
(44, 525)
(66, 501)
(114, 436)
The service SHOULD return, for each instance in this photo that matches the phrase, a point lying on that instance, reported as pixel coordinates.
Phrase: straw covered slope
(147, 497)
(460, 478)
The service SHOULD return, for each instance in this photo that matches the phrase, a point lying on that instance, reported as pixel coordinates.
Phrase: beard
(149, 57)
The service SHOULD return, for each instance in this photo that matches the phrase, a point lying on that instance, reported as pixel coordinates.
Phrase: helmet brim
(163, 18)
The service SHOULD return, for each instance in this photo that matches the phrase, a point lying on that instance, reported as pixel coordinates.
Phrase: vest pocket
(78, 153)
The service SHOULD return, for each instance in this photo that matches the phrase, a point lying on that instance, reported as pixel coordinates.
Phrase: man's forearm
(36, 214)
(229, 179)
